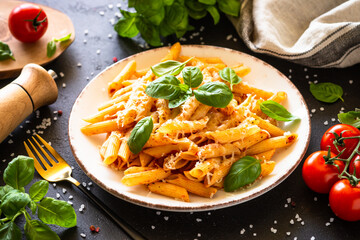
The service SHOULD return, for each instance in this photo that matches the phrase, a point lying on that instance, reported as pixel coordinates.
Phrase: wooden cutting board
(59, 25)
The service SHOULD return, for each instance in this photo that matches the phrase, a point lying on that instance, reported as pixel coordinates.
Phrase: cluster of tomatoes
(27, 22)
(335, 169)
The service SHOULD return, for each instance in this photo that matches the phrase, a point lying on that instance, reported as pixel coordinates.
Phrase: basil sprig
(5, 52)
(51, 46)
(15, 201)
(276, 111)
(215, 94)
(351, 118)
(140, 134)
(327, 92)
(229, 75)
(169, 67)
(244, 171)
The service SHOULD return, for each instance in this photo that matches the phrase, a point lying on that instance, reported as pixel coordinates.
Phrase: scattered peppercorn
(97, 229)
(60, 112)
(115, 59)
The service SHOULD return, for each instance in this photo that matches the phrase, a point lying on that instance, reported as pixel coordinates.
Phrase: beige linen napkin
(315, 33)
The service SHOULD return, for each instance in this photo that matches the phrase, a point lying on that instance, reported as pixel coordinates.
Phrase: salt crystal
(85, 41)
(307, 76)
(312, 238)
(303, 223)
(342, 108)
(290, 70)
(322, 108)
(327, 224)
(54, 184)
(69, 202)
(90, 183)
(305, 69)
(102, 13)
(64, 190)
(86, 32)
(292, 221)
(166, 218)
(286, 205)
(118, 5)
(158, 212)
(333, 119)
(331, 219)
(84, 184)
(202, 28)
(209, 213)
(71, 197)
(82, 206)
(57, 195)
(109, 35)
(275, 222)
(64, 85)
(313, 110)
(326, 123)
(254, 234)
(199, 220)
(112, 21)
(98, 51)
(83, 235)
(10, 141)
(110, 6)
(152, 227)
(316, 81)
(79, 65)
(288, 200)
(351, 81)
(199, 234)
(228, 37)
(242, 231)
(288, 233)
(235, 39)
(61, 74)
(12, 154)
(251, 226)
(315, 199)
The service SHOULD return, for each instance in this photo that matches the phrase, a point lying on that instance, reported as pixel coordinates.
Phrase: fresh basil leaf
(244, 171)
(169, 67)
(180, 100)
(197, 14)
(126, 26)
(38, 190)
(195, 5)
(276, 111)
(13, 202)
(229, 75)
(52, 211)
(214, 13)
(153, 11)
(10, 231)
(148, 31)
(19, 172)
(5, 52)
(165, 87)
(215, 94)
(192, 76)
(326, 92)
(230, 7)
(32, 205)
(184, 88)
(176, 20)
(208, 2)
(4, 190)
(37, 230)
(351, 118)
(63, 39)
(51, 48)
(140, 134)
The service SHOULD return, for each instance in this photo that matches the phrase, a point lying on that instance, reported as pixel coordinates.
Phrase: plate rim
(207, 207)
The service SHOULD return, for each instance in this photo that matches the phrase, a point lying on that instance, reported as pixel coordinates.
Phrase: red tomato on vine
(342, 130)
(318, 175)
(27, 22)
(345, 200)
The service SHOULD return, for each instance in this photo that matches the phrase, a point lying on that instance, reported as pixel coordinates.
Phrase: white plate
(262, 75)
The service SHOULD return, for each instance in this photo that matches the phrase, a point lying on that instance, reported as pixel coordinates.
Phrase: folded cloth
(315, 33)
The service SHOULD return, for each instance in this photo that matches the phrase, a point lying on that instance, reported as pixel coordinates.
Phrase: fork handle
(125, 226)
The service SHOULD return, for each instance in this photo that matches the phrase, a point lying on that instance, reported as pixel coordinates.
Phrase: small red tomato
(355, 164)
(345, 200)
(27, 22)
(348, 144)
(318, 175)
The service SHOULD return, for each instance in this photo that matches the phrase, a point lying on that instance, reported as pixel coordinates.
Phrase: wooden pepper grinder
(34, 88)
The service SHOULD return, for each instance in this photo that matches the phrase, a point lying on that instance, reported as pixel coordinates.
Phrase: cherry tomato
(355, 163)
(27, 22)
(318, 175)
(345, 200)
(349, 144)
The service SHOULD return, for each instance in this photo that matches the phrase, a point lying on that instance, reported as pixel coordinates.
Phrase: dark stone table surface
(255, 219)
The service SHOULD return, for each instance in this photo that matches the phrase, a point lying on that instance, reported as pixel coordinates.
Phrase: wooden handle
(34, 88)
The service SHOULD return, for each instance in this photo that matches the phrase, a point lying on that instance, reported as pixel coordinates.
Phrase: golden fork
(60, 170)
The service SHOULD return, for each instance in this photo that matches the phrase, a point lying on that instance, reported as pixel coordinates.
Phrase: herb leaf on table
(15, 201)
